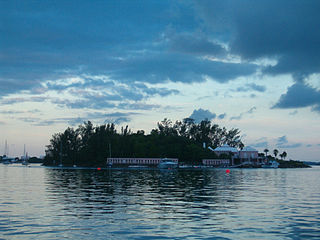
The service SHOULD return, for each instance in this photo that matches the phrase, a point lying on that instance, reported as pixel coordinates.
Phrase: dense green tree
(90, 145)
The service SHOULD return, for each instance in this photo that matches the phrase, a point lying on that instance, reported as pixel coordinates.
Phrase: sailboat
(25, 158)
(5, 158)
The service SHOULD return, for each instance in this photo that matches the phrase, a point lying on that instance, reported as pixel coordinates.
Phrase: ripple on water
(246, 204)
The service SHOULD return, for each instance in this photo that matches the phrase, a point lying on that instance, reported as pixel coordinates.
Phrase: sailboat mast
(6, 149)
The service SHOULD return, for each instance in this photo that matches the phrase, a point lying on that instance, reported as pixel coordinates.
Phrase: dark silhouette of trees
(266, 151)
(283, 155)
(90, 145)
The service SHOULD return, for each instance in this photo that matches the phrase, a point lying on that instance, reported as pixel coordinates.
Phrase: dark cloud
(316, 108)
(295, 112)
(83, 83)
(194, 44)
(263, 144)
(113, 95)
(31, 120)
(9, 101)
(160, 67)
(138, 106)
(222, 116)
(260, 143)
(43, 123)
(94, 102)
(15, 112)
(10, 112)
(240, 116)
(300, 95)
(115, 117)
(251, 87)
(118, 120)
(71, 121)
(201, 114)
(255, 87)
(155, 42)
(282, 142)
(125, 41)
(11, 85)
(285, 31)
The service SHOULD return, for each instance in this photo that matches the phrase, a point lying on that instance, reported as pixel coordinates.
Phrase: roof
(249, 149)
(225, 148)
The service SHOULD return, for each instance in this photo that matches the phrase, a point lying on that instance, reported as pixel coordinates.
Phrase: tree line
(282, 155)
(89, 145)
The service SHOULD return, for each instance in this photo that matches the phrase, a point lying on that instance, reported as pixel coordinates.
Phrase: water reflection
(151, 192)
(134, 204)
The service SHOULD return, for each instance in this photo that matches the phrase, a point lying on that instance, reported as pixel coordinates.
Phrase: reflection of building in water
(137, 161)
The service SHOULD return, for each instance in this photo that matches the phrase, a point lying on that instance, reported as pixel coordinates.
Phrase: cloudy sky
(252, 65)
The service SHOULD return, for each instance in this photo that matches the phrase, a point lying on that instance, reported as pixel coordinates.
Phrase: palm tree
(284, 155)
(281, 155)
(275, 152)
(266, 151)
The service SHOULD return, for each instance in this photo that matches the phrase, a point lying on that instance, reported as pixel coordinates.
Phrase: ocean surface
(44, 203)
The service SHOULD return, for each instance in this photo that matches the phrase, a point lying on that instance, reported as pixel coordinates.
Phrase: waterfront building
(227, 150)
(137, 161)
(249, 154)
(216, 162)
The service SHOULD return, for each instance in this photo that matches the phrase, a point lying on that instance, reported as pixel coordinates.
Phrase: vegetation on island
(282, 162)
(292, 164)
(90, 145)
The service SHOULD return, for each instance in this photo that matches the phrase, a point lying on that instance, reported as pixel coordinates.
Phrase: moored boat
(271, 164)
(167, 163)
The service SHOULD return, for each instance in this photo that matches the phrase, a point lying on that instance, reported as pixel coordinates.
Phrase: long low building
(137, 161)
(216, 162)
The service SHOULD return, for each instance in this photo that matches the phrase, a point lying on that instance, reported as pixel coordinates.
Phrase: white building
(248, 153)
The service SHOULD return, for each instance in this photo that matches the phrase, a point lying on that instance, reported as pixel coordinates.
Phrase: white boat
(271, 164)
(167, 163)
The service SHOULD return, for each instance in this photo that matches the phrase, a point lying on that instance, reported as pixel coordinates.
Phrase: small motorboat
(167, 163)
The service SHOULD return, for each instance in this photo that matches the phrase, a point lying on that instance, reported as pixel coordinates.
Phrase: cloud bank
(200, 114)
(157, 42)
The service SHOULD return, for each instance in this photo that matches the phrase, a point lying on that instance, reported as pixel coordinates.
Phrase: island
(191, 143)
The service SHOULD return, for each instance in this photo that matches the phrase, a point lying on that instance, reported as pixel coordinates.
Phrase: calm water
(41, 203)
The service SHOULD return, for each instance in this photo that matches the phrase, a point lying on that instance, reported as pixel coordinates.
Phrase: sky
(251, 65)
